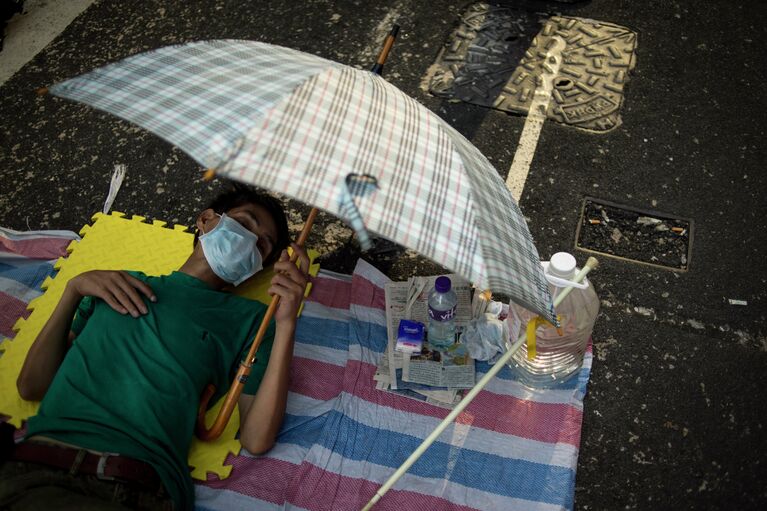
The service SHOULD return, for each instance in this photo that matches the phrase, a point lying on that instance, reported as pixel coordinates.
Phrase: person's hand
(117, 288)
(289, 282)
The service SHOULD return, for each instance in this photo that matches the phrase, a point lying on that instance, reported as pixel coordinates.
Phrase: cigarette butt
(594, 221)
(678, 230)
(209, 174)
(42, 91)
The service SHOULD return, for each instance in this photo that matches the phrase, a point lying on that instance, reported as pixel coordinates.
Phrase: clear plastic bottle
(442, 305)
(558, 358)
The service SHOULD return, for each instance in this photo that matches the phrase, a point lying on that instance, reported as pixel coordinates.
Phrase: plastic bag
(485, 338)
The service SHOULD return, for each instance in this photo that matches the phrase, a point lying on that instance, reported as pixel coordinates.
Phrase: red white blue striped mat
(510, 449)
(26, 259)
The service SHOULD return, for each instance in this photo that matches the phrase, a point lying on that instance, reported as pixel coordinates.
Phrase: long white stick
(590, 265)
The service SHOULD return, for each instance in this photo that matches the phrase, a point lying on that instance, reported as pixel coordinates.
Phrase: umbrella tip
(209, 175)
(42, 91)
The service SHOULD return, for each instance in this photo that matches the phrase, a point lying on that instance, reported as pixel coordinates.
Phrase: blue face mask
(231, 251)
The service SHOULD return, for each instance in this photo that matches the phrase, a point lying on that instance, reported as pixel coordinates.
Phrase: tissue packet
(409, 336)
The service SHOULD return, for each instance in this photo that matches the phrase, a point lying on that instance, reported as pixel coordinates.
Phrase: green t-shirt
(132, 385)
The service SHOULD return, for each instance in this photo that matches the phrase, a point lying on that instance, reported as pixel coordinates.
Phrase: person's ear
(204, 219)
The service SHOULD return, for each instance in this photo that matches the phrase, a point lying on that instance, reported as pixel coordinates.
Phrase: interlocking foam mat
(114, 242)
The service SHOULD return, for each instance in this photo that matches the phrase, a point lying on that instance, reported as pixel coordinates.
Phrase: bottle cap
(562, 265)
(442, 284)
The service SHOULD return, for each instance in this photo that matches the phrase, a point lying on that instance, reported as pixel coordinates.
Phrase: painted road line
(32, 31)
(528, 141)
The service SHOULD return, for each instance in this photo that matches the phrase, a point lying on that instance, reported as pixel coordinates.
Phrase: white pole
(590, 265)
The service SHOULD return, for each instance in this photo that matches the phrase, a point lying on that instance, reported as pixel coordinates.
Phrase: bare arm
(116, 288)
(261, 415)
(48, 350)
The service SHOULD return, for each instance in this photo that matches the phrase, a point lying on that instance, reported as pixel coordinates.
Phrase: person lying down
(124, 358)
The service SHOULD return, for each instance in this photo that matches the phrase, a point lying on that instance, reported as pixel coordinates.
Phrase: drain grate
(636, 235)
(484, 63)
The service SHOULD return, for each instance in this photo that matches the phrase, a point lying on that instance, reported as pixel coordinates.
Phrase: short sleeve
(87, 305)
(83, 313)
(262, 359)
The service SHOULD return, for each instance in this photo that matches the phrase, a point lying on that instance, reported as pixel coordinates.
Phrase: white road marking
(32, 31)
(528, 141)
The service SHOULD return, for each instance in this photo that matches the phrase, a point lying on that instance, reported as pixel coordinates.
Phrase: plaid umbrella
(310, 128)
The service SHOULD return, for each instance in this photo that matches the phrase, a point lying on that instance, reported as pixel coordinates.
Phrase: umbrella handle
(388, 43)
(222, 419)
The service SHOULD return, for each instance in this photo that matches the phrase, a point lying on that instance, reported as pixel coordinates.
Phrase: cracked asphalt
(674, 416)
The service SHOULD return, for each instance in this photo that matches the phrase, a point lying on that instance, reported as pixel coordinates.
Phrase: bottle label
(439, 315)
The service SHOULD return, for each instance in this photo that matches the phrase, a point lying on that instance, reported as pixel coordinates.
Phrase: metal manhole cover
(633, 234)
(483, 63)
(482, 53)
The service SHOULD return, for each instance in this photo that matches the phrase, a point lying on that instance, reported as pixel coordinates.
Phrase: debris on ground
(632, 234)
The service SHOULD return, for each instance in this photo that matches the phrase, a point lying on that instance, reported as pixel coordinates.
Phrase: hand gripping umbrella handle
(202, 431)
(590, 265)
(222, 419)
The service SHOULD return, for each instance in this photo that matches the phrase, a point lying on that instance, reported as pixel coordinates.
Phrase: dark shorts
(27, 486)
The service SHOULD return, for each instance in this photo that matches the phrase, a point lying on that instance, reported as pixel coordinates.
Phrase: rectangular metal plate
(635, 235)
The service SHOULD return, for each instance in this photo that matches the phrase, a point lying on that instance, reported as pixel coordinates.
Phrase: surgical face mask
(231, 251)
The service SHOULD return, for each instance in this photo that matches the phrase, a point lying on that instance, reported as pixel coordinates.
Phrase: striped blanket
(26, 259)
(341, 439)
(510, 449)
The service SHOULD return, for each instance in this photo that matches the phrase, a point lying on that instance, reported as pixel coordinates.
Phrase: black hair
(240, 195)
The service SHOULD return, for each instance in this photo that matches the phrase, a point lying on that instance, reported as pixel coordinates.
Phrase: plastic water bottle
(557, 358)
(442, 305)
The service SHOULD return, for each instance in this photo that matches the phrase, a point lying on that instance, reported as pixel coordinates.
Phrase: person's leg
(27, 487)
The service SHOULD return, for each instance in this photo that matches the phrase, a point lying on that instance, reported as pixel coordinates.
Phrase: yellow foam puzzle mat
(114, 242)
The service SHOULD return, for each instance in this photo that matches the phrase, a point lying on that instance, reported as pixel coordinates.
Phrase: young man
(126, 375)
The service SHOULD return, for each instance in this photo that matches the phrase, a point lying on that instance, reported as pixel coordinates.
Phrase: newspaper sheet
(453, 368)
(396, 309)
(437, 381)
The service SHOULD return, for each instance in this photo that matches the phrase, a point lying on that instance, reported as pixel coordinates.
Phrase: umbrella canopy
(310, 128)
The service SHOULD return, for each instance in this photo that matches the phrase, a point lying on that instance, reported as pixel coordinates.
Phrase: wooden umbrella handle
(388, 43)
(204, 433)
(222, 419)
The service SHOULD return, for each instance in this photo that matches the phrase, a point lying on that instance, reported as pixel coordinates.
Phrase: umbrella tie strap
(356, 185)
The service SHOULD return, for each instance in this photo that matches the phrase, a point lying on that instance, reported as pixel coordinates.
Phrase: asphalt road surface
(675, 414)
